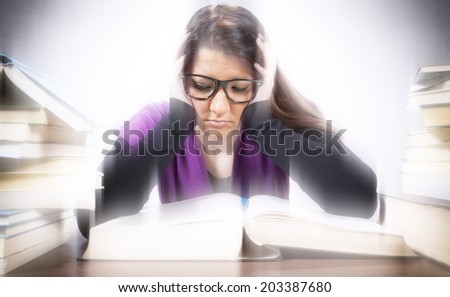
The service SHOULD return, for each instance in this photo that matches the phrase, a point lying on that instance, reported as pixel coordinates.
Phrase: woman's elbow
(360, 182)
(354, 196)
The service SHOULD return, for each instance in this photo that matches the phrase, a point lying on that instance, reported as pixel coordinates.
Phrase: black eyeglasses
(202, 87)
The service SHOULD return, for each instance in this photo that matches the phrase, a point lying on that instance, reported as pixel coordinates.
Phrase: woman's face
(218, 113)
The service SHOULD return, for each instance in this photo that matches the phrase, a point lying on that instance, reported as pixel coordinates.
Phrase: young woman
(233, 124)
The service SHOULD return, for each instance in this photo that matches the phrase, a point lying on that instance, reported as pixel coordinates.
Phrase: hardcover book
(214, 227)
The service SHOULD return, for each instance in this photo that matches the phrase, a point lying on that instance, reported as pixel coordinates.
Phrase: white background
(355, 58)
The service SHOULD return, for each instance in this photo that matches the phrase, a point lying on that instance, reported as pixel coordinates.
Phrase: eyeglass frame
(223, 84)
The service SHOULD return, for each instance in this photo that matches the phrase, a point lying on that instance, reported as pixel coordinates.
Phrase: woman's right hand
(176, 84)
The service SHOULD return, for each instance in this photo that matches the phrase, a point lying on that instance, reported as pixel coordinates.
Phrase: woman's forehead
(220, 65)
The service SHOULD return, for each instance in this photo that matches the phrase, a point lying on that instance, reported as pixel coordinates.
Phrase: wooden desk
(63, 261)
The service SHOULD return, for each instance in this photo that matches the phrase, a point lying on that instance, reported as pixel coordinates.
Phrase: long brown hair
(233, 30)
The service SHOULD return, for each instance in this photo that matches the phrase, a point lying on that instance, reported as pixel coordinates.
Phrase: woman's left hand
(267, 73)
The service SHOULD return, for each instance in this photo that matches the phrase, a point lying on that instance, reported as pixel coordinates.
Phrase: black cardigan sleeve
(131, 171)
(328, 171)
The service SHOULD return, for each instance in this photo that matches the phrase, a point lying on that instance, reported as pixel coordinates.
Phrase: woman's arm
(329, 172)
(144, 148)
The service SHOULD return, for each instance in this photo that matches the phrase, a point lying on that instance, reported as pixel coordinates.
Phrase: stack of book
(422, 213)
(426, 167)
(25, 234)
(46, 167)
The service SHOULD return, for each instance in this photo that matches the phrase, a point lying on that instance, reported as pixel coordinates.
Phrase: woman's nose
(220, 103)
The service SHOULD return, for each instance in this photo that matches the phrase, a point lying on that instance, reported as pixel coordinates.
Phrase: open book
(212, 227)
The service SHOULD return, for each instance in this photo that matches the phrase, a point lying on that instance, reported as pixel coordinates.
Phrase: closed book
(9, 149)
(78, 198)
(13, 216)
(18, 259)
(428, 136)
(18, 242)
(24, 226)
(22, 132)
(439, 152)
(49, 180)
(436, 115)
(436, 186)
(29, 115)
(48, 165)
(423, 221)
(426, 168)
(431, 77)
(430, 98)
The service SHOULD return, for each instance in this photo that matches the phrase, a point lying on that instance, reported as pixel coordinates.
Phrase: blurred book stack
(422, 214)
(426, 166)
(46, 166)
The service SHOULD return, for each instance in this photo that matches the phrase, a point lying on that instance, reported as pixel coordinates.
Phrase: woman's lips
(217, 123)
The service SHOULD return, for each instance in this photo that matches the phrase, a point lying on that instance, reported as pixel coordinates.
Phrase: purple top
(186, 175)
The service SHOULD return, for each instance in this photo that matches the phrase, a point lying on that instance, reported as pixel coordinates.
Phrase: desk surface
(64, 261)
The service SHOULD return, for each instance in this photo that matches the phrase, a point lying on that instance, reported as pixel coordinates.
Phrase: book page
(277, 222)
(214, 207)
(204, 228)
(279, 209)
